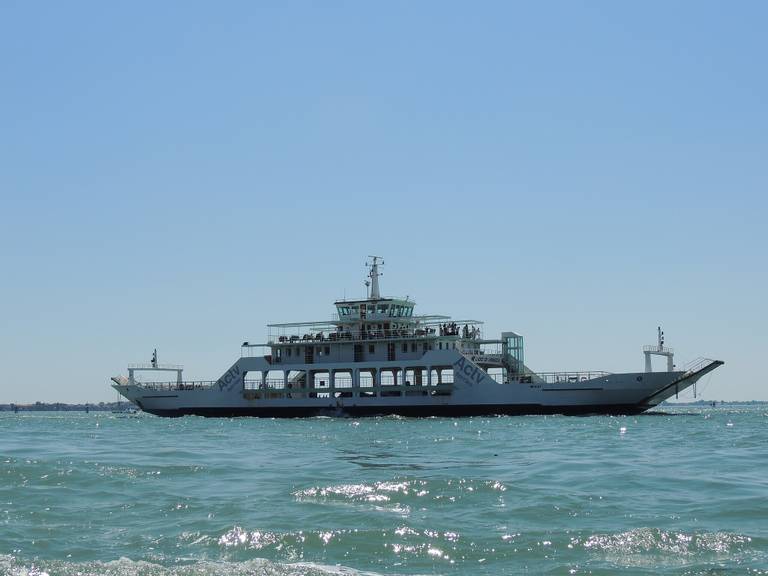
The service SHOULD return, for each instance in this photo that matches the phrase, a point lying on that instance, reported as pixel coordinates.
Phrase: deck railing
(295, 392)
(569, 377)
(659, 349)
(697, 364)
(186, 385)
(372, 335)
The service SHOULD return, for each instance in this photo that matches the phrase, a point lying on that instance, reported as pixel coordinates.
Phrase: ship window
(382, 309)
(405, 347)
(413, 346)
(327, 350)
(441, 345)
(298, 351)
(371, 348)
(288, 352)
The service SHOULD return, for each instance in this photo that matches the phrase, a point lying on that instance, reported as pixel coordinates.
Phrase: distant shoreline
(63, 407)
(109, 406)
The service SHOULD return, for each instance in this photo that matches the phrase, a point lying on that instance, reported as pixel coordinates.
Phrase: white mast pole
(374, 275)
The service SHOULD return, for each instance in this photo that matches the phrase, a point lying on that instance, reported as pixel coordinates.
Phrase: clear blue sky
(178, 174)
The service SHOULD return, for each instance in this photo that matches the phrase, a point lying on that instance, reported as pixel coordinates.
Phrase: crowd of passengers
(452, 329)
(371, 333)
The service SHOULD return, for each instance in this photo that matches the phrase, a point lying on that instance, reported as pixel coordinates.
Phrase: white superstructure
(375, 356)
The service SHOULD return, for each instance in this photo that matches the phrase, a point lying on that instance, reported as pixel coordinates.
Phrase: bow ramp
(694, 371)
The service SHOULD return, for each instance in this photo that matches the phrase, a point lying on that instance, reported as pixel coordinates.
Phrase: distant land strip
(63, 407)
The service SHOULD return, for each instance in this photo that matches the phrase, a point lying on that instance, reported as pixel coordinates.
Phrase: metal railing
(484, 358)
(186, 385)
(569, 377)
(372, 335)
(444, 389)
(271, 383)
(659, 349)
(150, 366)
(697, 364)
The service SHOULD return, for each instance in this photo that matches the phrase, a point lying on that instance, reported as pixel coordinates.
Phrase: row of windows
(326, 350)
(395, 310)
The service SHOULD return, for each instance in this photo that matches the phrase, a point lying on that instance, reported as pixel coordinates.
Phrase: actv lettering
(468, 371)
(229, 379)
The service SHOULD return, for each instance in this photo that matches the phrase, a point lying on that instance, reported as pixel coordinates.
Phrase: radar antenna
(374, 274)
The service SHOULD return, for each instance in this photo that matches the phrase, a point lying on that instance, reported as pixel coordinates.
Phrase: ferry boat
(375, 356)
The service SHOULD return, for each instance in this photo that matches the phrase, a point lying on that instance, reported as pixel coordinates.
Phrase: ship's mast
(374, 274)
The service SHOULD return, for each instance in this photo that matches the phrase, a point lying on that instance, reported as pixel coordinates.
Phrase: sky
(175, 175)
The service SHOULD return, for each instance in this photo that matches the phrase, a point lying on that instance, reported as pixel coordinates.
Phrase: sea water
(680, 491)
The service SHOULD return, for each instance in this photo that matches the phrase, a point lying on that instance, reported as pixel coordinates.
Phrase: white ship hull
(472, 392)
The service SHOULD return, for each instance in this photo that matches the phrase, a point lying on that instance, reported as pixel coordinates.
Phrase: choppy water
(679, 493)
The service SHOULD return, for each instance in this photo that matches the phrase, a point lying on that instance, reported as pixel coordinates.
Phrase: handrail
(697, 364)
(658, 349)
(149, 366)
(484, 357)
(186, 385)
(571, 377)
(294, 392)
(369, 336)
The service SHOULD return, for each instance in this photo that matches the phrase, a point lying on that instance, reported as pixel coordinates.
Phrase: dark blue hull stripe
(360, 411)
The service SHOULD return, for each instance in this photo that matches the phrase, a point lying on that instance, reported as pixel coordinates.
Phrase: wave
(11, 566)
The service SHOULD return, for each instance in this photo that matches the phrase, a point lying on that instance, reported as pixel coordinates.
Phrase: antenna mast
(374, 276)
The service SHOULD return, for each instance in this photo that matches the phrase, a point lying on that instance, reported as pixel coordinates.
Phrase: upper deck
(374, 318)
